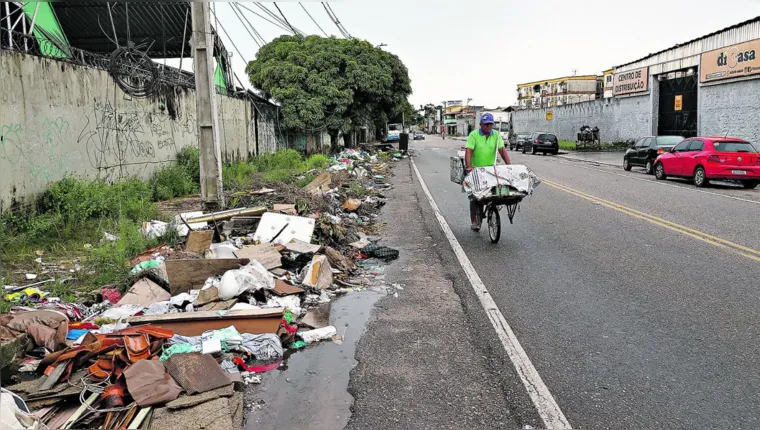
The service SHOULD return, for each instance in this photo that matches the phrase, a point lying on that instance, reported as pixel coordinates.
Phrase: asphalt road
(636, 300)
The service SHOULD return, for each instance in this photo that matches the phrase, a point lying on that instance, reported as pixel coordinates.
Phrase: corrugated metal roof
(88, 25)
(737, 33)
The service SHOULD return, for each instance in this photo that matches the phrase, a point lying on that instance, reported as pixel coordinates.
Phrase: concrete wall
(618, 119)
(60, 120)
(731, 109)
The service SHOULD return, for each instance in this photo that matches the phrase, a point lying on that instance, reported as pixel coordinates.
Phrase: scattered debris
(266, 254)
(281, 228)
(185, 275)
(319, 274)
(144, 292)
(255, 321)
(282, 288)
(202, 319)
(199, 241)
(316, 335)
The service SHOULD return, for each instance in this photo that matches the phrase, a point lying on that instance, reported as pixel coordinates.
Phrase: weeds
(73, 212)
(567, 145)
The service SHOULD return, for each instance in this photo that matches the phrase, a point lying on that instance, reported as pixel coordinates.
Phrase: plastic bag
(323, 333)
(251, 277)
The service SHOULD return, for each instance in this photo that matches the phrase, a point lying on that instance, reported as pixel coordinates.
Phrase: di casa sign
(632, 81)
(730, 62)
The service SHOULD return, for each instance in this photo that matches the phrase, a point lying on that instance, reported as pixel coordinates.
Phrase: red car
(711, 158)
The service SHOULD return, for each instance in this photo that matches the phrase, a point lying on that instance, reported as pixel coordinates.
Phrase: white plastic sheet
(481, 180)
(251, 277)
(323, 333)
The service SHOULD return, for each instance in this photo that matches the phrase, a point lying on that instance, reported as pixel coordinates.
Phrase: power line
(312, 18)
(261, 16)
(245, 26)
(278, 19)
(335, 20)
(231, 41)
(338, 23)
(263, 41)
(283, 17)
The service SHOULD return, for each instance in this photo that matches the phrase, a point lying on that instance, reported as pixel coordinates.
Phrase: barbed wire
(39, 47)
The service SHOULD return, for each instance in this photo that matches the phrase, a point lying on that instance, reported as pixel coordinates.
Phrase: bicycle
(490, 211)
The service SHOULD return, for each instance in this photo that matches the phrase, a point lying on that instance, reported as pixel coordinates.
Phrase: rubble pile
(202, 320)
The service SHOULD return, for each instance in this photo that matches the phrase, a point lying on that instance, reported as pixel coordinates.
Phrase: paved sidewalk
(423, 361)
(614, 159)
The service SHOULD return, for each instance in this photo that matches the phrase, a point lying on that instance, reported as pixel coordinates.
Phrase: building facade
(558, 91)
(706, 86)
(607, 77)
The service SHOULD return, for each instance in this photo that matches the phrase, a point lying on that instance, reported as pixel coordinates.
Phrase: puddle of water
(310, 391)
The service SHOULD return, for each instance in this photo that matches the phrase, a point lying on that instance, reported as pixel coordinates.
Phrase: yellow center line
(750, 253)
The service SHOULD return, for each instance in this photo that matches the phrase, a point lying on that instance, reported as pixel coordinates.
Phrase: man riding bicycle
(480, 151)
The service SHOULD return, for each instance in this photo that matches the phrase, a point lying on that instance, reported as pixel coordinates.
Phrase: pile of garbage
(202, 320)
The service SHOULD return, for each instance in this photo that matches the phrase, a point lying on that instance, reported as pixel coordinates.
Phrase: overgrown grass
(74, 212)
(567, 145)
(282, 166)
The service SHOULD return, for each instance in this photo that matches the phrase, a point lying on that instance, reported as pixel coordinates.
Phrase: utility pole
(212, 193)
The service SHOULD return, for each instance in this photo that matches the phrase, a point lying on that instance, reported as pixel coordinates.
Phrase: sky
(456, 50)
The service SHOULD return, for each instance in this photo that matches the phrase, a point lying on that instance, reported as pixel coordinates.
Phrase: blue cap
(487, 118)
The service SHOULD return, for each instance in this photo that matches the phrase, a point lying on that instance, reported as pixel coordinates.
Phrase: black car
(541, 142)
(518, 141)
(645, 151)
(419, 135)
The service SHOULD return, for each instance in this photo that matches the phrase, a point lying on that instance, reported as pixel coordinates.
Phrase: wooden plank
(186, 275)
(302, 247)
(321, 183)
(199, 241)
(266, 254)
(135, 424)
(254, 321)
(286, 209)
(282, 288)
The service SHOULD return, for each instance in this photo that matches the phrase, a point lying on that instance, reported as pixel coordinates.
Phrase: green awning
(47, 29)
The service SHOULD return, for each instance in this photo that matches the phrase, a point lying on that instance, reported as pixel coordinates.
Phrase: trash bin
(403, 142)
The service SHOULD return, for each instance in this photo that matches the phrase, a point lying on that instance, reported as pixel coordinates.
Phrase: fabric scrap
(149, 383)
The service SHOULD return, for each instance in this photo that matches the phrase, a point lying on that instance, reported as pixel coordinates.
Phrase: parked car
(541, 142)
(711, 158)
(418, 135)
(518, 141)
(645, 151)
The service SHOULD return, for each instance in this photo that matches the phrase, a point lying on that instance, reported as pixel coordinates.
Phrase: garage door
(678, 107)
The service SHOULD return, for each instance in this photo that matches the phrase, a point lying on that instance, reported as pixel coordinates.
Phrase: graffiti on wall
(37, 145)
(115, 140)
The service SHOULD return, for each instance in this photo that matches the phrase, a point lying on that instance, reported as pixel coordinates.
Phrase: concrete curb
(580, 160)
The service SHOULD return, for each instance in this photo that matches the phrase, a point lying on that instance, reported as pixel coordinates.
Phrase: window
(734, 147)
(551, 137)
(668, 141)
(696, 146)
(682, 147)
(640, 143)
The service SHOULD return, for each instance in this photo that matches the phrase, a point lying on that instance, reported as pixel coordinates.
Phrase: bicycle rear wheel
(494, 223)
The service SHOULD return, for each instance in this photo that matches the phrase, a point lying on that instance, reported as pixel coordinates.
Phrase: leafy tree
(330, 84)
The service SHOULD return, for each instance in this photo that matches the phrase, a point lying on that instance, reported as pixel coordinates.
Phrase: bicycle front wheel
(494, 223)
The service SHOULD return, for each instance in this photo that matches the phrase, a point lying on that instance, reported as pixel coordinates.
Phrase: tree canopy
(330, 84)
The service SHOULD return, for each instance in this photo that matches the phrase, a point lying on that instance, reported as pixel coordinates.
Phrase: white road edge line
(543, 400)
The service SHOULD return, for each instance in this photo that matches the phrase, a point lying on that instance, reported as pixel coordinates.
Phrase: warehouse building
(705, 86)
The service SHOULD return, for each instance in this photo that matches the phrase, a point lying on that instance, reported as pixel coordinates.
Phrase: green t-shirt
(484, 147)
